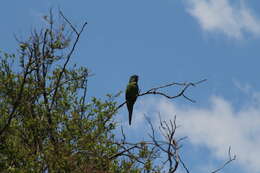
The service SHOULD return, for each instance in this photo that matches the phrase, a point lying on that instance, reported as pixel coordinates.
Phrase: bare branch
(68, 56)
(155, 91)
(181, 93)
(230, 159)
(122, 152)
(184, 166)
(72, 27)
(169, 146)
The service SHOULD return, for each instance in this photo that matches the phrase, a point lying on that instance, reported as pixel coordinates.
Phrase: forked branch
(78, 33)
(181, 93)
(231, 158)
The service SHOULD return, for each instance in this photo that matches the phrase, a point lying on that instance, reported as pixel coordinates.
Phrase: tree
(46, 125)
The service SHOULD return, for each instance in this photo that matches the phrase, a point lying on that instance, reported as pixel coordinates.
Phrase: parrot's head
(133, 78)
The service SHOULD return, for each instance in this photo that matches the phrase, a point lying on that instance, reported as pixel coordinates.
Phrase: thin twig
(184, 166)
(231, 159)
(68, 56)
(155, 91)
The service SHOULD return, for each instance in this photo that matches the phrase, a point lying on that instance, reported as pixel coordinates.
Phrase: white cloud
(215, 127)
(248, 90)
(221, 16)
(219, 126)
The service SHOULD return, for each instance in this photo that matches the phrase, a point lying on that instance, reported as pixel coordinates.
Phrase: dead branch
(155, 91)
(181, 93)
(168, 146)
(230, 159)
(78, 33)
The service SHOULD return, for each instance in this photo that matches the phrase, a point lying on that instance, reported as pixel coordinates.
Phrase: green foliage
(46, 121)
(81, 132)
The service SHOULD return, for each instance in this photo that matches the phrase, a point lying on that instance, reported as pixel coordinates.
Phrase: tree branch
(230, 159)
(155, 91)
(68, 56)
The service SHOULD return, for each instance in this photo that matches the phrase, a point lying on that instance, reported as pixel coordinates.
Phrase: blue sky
(165, 41)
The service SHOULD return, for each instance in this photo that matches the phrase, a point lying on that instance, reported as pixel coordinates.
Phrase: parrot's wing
(132, 91)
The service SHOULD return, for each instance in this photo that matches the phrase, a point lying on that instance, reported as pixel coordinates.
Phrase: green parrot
(131, 95)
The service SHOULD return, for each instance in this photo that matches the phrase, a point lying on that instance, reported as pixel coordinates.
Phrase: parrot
(131, 95)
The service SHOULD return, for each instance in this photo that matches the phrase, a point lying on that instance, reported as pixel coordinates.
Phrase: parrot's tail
(130, 110)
